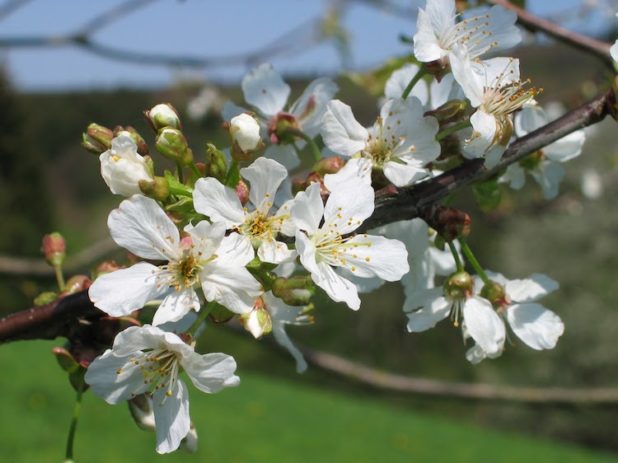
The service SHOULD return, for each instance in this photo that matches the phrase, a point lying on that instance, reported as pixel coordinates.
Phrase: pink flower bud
(54, 248)
(242, 191)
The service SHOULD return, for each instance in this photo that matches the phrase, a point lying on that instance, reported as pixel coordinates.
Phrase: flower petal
(142, 227)
(484, 325)
(432, 312)
(175, 306)
(535, 325)
(308, 208)
(274, 252)
(530, 289)
(264, 88)
(211, 372)
(369, 255)
(235, 251)
(231, 286)
(354, 170)
(172, 419)
(340, 130)
(115, 379)
(265, 176)
(218, 202)
(399, 80)
(347, 208)
(338, 288)
(121, 292)
(309, 109)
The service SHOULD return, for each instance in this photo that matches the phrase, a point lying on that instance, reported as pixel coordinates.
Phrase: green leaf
(487, 194)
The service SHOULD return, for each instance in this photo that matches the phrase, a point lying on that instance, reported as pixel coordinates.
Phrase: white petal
(274, 252)
(614, 51)
(121, 292)
(429, 315)
(264, 89)
(549, 176)
(535, 325)
(467, 78)
(566, 148)
(337, 287)
(309, 109)
(211, 372)
(206, 238)
(340, 130)
(403, 174)
(114, 378)
(306, 252)
(284, 340)
(445, 90)
(530, 118)
(347, 208)
(265, 176)
(231, 286)
(377, 256)
(356, 169)
(175, 306)
(172, 419)
(432, 24)
(399, 80)
(514, 176)
(142, 227)
(530, 289)
(308, 208)
(484, 127)
(147, 337)
(218, 202)
(235, 250)
(484, 325)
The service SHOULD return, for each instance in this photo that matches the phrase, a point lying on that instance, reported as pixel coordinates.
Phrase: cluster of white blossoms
(228, 238)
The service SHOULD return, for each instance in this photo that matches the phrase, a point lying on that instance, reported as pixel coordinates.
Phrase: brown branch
(10, 6)
(533, 23)
(37, 267)
(385, 380)
(406, 203)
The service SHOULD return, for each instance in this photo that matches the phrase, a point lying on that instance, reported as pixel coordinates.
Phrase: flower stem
(71, 437)
(418, 76)
(180, 173)
(473, 261)
(315, 151)
(59, 277)
(452, 129)
(456, 256)
(195, 170)
(201, 316)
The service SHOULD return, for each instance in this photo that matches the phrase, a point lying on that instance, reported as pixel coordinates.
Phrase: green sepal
(233, 175)
(177, 188)
(219, 313)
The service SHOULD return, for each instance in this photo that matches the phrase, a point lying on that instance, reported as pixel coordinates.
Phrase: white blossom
(474, 314)
(401, 142)
(205, 258)
(494, 88)
(259, 226)
(537, 326)
(122, 167)
(545, 164)
(148, 360)
(265, 90)
(438, 33)
(322, 247)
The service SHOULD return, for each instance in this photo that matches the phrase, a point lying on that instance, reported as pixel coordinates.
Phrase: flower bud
(172, 144)
(97, 138)
(296, 290)
(283, 128)
(459, 285)
(142, 146)
(450, 223)
(54, 249)
(495, 293)
(108, 266)
(46, 297)
(141, 411)
(65, 359)
(122, 168)
(449, 112)
(438, 68)
(157, 189)
(330, 165)
(75, 284)
(163, 115)
(216, 165)
(245, 132)
(258, 321)
(242, 191)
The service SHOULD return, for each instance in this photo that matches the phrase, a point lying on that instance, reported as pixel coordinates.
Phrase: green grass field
(262, 420)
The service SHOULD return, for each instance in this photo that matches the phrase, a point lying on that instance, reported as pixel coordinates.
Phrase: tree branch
(535, 24)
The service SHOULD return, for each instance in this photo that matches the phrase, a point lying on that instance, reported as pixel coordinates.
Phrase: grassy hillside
(262, 420)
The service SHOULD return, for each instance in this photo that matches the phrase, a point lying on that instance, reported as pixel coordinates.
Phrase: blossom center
(184, 272)
(159, 368)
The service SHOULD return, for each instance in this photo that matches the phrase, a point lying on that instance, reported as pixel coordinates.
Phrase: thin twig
(37, 267)
(10, 6)
(111, 15)
(536, 24)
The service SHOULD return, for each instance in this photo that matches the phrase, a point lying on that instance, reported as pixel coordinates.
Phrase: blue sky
(197, 27)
